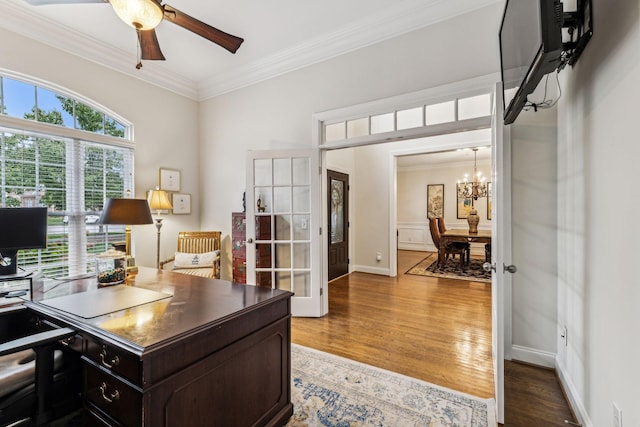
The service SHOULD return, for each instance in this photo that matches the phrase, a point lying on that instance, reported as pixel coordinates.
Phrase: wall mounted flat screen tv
(530, 48)
(21, 228)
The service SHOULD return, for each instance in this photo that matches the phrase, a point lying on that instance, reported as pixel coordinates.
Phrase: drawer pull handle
(114, 396)
(114, 362)
(68, 341)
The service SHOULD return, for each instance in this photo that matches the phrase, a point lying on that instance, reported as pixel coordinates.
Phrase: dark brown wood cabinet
(213, 353)
(263, 250)
(238, 248)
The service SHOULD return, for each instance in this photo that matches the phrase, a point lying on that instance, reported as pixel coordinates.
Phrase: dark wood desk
(212, 353)
(460, 235)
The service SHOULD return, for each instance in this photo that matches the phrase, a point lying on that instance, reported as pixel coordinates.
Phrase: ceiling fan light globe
(139, 14)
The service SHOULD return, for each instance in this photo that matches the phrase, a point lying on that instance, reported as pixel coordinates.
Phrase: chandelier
(475, 188)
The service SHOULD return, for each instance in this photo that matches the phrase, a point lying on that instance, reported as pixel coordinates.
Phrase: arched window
(66, 153)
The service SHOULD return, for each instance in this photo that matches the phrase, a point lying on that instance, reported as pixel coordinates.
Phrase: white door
(501, 246)
(283, 248)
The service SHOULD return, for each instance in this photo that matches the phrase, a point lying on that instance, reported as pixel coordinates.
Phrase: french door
(283, 244)
(501, 247)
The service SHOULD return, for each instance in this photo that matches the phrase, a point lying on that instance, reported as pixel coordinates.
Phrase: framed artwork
(463, 205)
(435, 200)
(489, 204)
(169, 179)
(181, 203)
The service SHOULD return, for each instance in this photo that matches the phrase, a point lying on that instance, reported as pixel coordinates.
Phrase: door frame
(461, 89)
(347, 227)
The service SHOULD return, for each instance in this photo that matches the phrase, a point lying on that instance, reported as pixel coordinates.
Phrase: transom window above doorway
(420, 116)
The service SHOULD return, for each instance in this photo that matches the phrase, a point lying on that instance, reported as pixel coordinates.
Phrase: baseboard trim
(572, 394)
(533, 356)
(372, 270)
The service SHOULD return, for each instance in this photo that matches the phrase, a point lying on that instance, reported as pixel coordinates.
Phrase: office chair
(39, 379)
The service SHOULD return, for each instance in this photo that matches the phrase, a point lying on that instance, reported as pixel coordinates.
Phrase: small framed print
(435, 200)
(181, 204)
(169, 179)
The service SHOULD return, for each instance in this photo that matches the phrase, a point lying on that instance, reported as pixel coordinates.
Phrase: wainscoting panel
(415, 237)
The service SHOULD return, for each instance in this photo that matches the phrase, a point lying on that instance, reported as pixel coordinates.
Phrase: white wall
(278, 112)
(598, 152)
(166, 131)
(534, 225)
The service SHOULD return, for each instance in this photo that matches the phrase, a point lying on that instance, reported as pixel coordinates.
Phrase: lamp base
(132, 268)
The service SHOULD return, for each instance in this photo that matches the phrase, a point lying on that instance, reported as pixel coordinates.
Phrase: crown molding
(402, 18)
(386, 24)
(34, 26)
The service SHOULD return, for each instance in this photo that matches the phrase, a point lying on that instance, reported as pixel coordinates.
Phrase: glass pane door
(281, 211)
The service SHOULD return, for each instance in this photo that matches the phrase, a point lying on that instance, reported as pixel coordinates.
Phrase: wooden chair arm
(166, 261)
(35, 340)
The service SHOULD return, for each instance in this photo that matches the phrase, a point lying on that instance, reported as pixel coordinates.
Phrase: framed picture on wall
(169, 179)
(463, 205)
(489, 204)
(435, 200)
(181, 203)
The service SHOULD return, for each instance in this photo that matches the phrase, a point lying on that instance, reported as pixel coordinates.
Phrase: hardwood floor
(437, 330)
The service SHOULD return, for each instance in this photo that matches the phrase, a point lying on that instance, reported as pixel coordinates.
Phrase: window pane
(382, 123)
(411, 118)
(301, 199)
(283, 255)
(263, 199)
(89, 119)
(19, 99)
(283, 227)
(262, 171)
(54, 108)
(302, 283)
(475, 106)
(334, 132)
(281, 171)
(114, 128)
(283, 280)
(301, 227)
(282, 199)
(358, 127)
(302, 255)
(440, 113)
(301, 171)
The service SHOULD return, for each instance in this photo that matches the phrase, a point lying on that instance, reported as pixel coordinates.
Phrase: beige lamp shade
(159, 200)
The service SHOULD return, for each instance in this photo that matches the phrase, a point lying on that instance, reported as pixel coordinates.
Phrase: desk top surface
(192, 302)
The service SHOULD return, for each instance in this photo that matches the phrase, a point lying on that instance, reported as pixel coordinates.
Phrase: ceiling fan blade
(46, 2)
(227, 41)
(149, 45)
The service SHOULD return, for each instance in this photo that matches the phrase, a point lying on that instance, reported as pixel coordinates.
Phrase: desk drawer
(115, 360)
(113, 396)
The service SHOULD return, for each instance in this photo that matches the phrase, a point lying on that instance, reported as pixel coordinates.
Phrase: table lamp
(127, 212)
(158, 201)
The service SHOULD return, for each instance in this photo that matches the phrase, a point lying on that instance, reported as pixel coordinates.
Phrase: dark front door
(338, 202)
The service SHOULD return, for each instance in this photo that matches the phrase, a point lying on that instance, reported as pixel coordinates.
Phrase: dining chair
(441, 226)
(463, 249)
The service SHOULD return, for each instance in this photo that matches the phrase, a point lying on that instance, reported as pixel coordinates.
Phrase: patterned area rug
(473, 271)
(328, 390)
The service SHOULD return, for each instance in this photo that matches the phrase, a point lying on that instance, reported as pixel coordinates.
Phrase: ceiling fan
(146, 15)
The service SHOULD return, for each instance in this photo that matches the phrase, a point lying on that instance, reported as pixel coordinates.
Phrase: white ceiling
(280, 36)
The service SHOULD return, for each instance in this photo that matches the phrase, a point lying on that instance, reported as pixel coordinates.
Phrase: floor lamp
(127, 212)
(158, 201)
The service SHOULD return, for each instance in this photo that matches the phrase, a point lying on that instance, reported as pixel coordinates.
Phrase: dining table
(460, 235)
